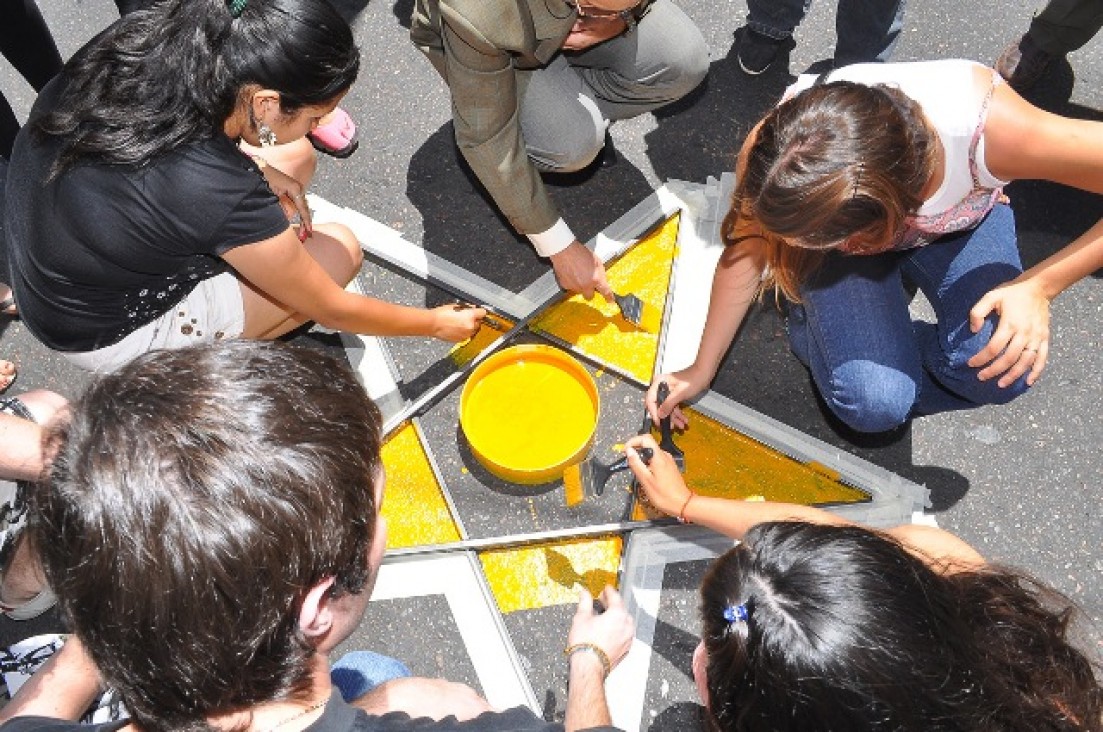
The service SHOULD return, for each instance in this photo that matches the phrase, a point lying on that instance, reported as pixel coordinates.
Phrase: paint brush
(667, 441)
(588, 478)
(644, 316)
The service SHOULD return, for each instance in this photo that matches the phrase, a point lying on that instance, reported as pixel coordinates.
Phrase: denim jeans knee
(870, 397)
(358, 672)
(953, 373)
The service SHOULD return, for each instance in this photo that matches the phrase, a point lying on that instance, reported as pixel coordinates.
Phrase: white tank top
(948, 95)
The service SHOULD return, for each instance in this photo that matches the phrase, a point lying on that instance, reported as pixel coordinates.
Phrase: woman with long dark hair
(134, 220)
(878, 175)
(814, 623)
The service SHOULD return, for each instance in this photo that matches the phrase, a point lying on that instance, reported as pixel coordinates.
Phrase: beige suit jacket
(478, 47)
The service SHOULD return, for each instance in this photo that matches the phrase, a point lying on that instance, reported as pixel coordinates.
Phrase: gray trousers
(1065, 25)
(567, 105)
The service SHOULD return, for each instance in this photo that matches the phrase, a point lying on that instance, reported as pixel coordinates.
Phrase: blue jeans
(865, 30)
(875, 367)
(357, 673)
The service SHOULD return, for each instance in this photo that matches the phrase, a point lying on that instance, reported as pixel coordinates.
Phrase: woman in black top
(134, 220)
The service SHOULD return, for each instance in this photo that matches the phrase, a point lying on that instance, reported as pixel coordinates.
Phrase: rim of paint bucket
(511, 357)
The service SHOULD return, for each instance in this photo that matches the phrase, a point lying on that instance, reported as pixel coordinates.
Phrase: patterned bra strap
(981, 121)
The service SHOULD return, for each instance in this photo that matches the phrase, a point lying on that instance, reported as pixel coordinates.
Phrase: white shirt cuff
(554, 240)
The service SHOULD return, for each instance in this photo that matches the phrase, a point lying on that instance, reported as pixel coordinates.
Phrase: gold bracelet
(606, 667)
(682, 513)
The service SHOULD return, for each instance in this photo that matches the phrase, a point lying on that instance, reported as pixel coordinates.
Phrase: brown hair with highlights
(839, 162)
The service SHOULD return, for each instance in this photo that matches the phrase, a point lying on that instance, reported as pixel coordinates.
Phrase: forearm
(734, 287)
(63, 688)
(1073, 263)
(735, 518)
(586, 704)
(21, 455)
(370, 316)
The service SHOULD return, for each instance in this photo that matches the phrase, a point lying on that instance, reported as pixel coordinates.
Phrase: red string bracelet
(682, 513)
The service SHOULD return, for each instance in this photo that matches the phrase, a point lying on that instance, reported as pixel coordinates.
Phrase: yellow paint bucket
(528, 412)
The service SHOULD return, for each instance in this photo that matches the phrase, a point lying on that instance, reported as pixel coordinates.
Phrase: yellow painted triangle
(724, 463)
(596, 327)
(413, 503)
(549, 574)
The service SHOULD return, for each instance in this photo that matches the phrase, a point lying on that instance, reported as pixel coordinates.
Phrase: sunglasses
(589, 11)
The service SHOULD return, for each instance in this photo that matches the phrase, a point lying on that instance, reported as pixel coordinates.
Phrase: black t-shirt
(102, 250)
(340, 717)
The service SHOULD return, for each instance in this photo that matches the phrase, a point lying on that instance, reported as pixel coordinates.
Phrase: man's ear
(316, 613)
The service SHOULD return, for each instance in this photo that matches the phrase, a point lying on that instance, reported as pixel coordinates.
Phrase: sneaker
(756, 51)
(1023, 63)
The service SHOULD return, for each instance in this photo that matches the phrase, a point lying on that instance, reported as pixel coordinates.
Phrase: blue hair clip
(736, 613)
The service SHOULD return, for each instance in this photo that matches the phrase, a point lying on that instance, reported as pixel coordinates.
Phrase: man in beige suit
(535, 84)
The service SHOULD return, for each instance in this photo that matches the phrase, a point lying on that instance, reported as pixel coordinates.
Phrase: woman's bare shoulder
(938, 547)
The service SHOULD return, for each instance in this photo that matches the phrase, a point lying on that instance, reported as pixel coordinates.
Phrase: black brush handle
(664, 423)
(646, 453)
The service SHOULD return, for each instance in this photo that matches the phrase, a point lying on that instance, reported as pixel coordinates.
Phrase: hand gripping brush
(667, 441)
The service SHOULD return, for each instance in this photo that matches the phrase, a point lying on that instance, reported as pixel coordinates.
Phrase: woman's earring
(266, 136)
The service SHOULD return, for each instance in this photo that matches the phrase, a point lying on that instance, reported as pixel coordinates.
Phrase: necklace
(312, 708)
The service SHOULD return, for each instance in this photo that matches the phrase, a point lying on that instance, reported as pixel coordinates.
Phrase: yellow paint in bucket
(528, 412)
(413, 503)
(549, 574)
(596, 327)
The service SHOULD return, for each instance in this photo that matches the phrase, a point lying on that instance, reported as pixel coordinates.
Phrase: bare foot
(7, 374)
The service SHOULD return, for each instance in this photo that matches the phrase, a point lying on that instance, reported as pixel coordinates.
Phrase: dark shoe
(756, 52)
(1023, 63)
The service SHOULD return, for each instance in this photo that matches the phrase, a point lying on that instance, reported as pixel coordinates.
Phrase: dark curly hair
(847, 631)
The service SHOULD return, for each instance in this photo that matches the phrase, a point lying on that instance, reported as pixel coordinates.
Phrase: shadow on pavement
(700, 135)
(404, 11)
(463, 225)
(1049, 215)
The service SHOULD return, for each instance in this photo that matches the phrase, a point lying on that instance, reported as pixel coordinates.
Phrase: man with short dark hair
(212, 531)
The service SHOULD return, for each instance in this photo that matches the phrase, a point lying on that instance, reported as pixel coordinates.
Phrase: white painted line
(478, 622)
(698, 251)
(648, 553)
(382, 241)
